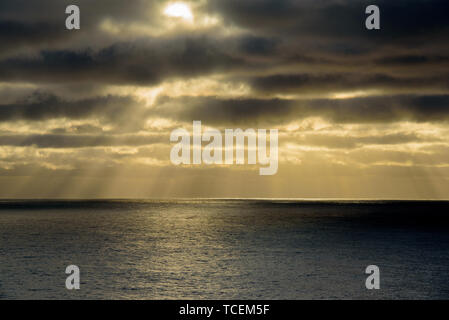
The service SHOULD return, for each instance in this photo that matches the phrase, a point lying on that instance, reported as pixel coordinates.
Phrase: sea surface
(224, 249)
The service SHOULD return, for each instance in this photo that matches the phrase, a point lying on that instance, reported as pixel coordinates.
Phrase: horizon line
(222, 198)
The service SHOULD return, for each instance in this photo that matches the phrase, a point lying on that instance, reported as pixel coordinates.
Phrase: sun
(179, 10)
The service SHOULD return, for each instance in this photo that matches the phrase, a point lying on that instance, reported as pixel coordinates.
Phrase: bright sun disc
(179, 10)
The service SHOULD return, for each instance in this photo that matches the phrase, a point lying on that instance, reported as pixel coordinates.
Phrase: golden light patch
(179, 10)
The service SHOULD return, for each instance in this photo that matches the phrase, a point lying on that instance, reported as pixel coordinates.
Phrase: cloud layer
(92, 110)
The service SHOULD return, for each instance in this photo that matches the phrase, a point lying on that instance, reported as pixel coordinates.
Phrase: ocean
(224, 249)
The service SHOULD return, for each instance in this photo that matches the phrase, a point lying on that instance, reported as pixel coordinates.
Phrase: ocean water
(224, 249)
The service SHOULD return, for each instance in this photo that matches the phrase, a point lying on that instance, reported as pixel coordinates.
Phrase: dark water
(224, 249)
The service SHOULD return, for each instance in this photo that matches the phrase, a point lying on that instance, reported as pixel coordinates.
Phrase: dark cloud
(80, 140)
(336, 18)
(147, 61)
(92, 12)
(325, 83)
(13, 33)
(351, 142)
(381, 109)
(258, 45)
(221, 111)
(328, 35)
(42, 106)
(25, 24)
(81, 129)
(411, 60)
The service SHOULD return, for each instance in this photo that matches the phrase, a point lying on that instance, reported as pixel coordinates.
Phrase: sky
(360, 113)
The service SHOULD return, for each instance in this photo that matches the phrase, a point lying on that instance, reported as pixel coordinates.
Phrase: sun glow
(179, 10)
